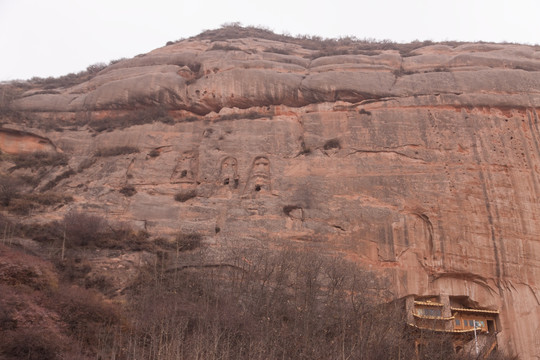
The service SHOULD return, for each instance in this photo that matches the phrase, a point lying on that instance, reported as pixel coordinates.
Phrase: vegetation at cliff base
(253, 303)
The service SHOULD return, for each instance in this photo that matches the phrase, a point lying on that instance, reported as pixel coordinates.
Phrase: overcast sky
(55, 37)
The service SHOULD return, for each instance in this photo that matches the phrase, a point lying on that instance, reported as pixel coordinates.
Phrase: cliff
(419, 160)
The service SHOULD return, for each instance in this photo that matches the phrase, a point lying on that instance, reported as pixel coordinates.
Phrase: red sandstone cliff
(424, 162)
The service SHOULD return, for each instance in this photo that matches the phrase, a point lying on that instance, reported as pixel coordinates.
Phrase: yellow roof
(427, 303)
(485, 311)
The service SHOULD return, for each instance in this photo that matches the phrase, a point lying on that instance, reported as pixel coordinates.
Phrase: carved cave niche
(228, 173)
(259, 178)
(186, 168)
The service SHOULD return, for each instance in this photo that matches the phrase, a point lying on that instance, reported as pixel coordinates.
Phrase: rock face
(424, 164)
(21, 142)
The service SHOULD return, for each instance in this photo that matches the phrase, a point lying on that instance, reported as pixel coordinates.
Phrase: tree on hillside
(9, 189)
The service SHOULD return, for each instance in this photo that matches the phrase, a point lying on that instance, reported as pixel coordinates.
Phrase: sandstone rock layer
(425, 165)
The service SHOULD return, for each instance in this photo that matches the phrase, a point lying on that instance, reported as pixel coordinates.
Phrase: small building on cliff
(470, 329)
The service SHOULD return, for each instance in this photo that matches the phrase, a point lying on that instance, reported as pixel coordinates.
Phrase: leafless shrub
(437, 347)
(128, 190)
(9, 189)
(330, 52)
(74, 270)
(25, 203)
(83, 228)
(364, 112)
(276, 50)
(115, 151)
(305, 149)
(69, 79)
(49, 198)
(136, 117)
(190, 119)
(225, 47)
(64, 175)
(441, 69)
(194, 67)
(116, 61)
(43, 317)
(40, 159)
(402, 72)
(184, 196)
(332, 144)
(124, 237)
(154, 153)
(4, 223)
(236, 116)
(324, 47)
(46, 232)
(30, 180)
(289, 304)
(21, 206)
(88, 317)
(95, 68)
(7, 320)
(22, 270)
(31, 344)
(100, 282)
(501, 355)
(9, 92)
(185, 242)
(44, 92)
(288, 208)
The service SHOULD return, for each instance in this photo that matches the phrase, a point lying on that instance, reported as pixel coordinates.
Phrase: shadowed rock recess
(421, 161)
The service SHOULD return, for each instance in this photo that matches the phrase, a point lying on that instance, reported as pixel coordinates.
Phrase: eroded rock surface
(20, 142)
(425, 166)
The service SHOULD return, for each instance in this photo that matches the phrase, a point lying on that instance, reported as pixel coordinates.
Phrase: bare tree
(82, 228)
(9, 189)
(287, 304)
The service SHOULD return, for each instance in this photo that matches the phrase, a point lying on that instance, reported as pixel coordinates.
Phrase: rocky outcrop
(204, 77)
(20, 142)
(423, 164)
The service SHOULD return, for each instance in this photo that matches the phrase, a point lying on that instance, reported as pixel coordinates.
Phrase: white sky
(55, 37)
